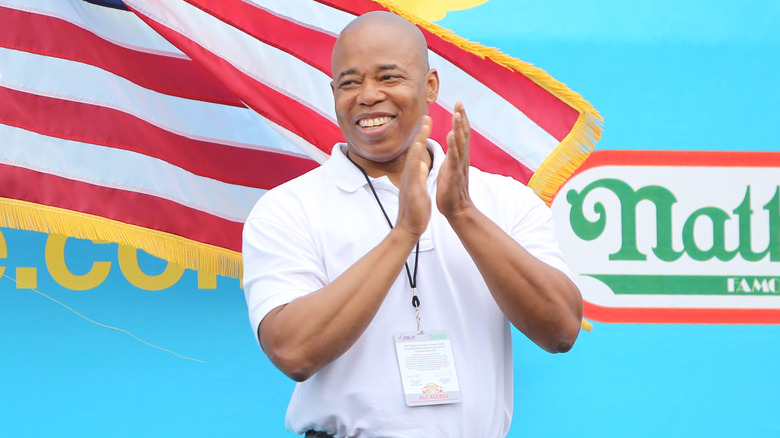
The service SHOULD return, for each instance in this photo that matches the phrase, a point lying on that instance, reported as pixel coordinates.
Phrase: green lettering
(773, 208)
(718, 249)
(663, 200)
(744, 213)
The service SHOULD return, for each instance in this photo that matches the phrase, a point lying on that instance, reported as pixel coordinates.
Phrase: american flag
(159, 123)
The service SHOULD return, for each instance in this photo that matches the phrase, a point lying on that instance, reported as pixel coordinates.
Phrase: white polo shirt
(303, 234)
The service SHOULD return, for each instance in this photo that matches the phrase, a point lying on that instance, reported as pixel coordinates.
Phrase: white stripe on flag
(309, 13)
(120, 27)
(126, 170)
(74, 81)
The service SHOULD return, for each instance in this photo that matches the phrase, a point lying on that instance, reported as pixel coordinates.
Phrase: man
(391, 236)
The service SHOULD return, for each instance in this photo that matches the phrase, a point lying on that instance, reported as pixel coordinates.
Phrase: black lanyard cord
(412, 277)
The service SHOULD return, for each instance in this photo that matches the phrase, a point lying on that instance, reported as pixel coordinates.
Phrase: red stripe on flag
(354, 7)
(61, 39)
(108, 127)
(538, 104)
(311, 46)
(283, 110)
(483, 153)
(133, 208)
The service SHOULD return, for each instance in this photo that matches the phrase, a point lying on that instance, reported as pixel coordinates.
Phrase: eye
(390, 78)
(348, 83)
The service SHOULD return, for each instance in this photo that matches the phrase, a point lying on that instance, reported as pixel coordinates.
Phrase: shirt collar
(349, 178)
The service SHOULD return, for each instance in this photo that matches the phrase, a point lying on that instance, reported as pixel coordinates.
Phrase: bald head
(396, 29)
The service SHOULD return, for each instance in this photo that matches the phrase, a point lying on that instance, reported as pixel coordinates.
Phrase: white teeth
(377, 121)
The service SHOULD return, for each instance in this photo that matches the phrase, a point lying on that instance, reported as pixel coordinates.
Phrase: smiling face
(381, 86)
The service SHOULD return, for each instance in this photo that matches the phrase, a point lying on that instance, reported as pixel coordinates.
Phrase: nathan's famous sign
(675, 236)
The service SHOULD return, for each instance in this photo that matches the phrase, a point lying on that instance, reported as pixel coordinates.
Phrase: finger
(416, 155)
(457, 138)
(461, 109)
(461, 132)
(420, 143)
(424, 132)
(452, 137)
(414, 201)
(465, 125)
(452, 146)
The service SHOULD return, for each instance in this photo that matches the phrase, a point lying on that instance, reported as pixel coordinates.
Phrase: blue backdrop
(665, 75)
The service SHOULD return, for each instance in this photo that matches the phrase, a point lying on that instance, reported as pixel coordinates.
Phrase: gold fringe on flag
(561, 163)
(586, 325)
(188, 253)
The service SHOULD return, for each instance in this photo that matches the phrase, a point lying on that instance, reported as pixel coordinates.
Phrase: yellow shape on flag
(433, 10)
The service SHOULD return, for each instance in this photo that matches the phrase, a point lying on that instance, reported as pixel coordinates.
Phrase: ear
(431, 86)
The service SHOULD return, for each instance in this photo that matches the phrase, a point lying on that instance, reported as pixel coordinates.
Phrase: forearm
(538, 299)
(312, 331)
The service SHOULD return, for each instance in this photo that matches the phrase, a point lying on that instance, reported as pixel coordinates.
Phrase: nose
(371, 93)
